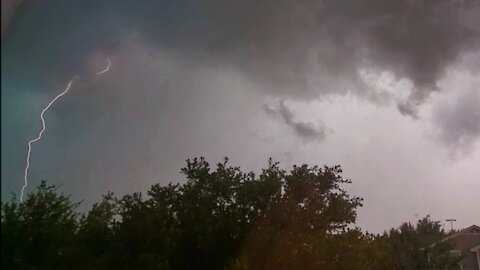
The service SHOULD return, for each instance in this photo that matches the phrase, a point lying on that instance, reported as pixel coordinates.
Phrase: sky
(389, 90)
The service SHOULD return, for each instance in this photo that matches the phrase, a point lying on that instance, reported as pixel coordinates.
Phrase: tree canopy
(220, 218)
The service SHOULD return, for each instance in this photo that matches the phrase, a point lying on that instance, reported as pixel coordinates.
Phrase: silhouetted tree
(220, 218)
(306, 225)
(38, 233)
(414, 247)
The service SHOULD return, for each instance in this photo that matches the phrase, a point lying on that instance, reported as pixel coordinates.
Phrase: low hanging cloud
(188, 78)
(8, 10)
(317, 47)
(457, 116)
(292, 50)
(297, 49)
(304, 130)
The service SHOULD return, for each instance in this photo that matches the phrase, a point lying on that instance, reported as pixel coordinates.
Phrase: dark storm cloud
(282, 42)
(299, 49)
(458, 119)
(189, 77)
(305, 130)
(406, 108)
(308, 49)
(292, 49)
(8, 10)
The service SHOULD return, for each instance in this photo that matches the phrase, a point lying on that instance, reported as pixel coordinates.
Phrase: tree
(38, 233)
(414, 247)
(220, 218)
(305, 227)
(95, 236)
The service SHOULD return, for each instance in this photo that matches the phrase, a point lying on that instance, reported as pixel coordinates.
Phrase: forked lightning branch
(44, 126)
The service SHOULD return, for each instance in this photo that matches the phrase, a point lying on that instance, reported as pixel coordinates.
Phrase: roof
(474, 229)
(475, 248)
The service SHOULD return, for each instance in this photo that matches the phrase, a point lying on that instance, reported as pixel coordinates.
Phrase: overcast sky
(390, 90)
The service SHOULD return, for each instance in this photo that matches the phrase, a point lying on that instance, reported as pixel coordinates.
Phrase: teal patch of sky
(47, 43)
(21, 104)
(41, 50)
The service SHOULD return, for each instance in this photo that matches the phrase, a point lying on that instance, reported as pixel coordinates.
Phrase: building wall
(465, 243)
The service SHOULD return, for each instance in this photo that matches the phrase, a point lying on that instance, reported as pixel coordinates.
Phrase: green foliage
(305, 226)
(38, 233)
(414, 247)
(220, 218)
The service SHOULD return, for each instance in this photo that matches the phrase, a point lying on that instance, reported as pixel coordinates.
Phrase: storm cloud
(305, 130)
(191, 78)
(297, 49)
(310, 48)
(460, 121)
(8, 10)
(456, 115)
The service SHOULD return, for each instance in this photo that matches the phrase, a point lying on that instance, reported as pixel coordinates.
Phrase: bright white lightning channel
(39, 136)
(106, 69)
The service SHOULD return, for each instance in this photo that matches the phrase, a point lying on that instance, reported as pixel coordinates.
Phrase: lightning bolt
(106, 69)
(39, 136)
(44, 126)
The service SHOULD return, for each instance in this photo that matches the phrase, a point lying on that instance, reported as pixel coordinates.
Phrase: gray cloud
(305, 130)
(313, 48)
(295, 50)
(458, 119)
(189, 78)
(413, 39)
(8, 10)
(407, 108)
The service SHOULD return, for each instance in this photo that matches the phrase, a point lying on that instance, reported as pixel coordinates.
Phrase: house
(466, 243)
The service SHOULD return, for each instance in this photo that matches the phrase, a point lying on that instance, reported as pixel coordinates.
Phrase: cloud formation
(291, 50)
(8, 10)
(304, 130)
(190, 77)
(457, 115)
(316, 47)
(295, 49)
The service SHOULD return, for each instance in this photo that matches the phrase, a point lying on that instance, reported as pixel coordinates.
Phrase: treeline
(220, 218)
